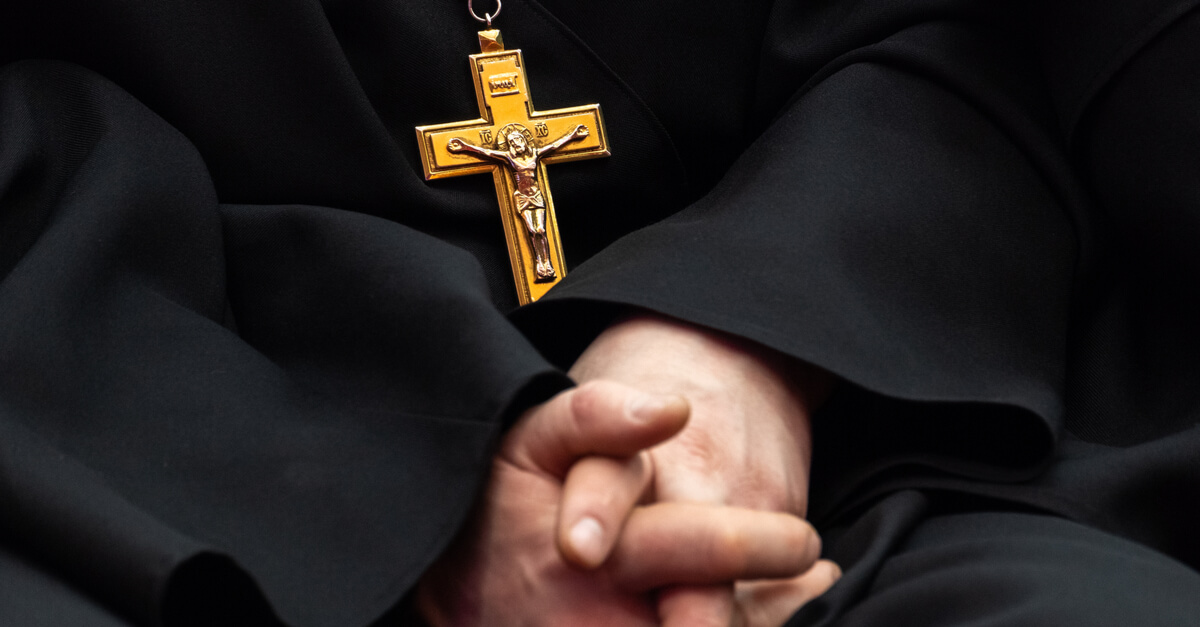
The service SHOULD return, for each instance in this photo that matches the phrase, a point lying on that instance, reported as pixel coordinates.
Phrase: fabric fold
(890, 232)
(307, 449)
(1085, 46)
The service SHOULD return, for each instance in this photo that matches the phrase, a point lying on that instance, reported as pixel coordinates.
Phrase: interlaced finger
(599, 494)
(688, 543)
(596, 418)
(772, 603)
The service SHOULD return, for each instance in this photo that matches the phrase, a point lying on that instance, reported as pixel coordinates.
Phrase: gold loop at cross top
(488, 17)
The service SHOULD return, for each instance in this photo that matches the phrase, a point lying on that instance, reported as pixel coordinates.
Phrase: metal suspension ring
(487, 17)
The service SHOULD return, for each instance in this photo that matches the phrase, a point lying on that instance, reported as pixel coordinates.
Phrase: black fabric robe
(252, 365)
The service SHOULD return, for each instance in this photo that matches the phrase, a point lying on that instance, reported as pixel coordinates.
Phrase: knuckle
(586, 400)
(642, 467)
(728, 548)
(699, 449)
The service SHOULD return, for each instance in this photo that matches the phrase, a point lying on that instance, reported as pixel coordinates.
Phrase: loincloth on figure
(530, 201)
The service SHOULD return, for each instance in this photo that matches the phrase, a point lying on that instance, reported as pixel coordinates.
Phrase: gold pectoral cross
(515, 143)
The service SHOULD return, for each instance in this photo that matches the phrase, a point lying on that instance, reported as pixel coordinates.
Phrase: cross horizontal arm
(546, 126)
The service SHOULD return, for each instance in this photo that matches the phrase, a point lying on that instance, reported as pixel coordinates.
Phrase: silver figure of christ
(516, 148)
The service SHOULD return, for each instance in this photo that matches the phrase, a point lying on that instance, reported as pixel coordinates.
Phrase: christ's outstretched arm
(457, 145)
(580, 132)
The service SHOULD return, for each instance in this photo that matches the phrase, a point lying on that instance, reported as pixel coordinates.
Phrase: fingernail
(648, 407)
(587, 538)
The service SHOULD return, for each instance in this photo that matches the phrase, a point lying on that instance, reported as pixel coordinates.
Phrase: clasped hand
(669, 488)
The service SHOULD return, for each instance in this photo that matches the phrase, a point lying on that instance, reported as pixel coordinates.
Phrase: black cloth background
(246, 350)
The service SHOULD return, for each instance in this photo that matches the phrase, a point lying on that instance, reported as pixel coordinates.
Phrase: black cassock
(253, 365)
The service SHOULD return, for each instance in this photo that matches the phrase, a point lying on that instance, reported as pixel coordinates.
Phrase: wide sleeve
(1125, 87)
(205, 406)
(902, 223)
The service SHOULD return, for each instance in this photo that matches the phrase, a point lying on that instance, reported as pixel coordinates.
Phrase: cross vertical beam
(515, 143)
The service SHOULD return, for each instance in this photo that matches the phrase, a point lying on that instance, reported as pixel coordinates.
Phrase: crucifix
(515, 143)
